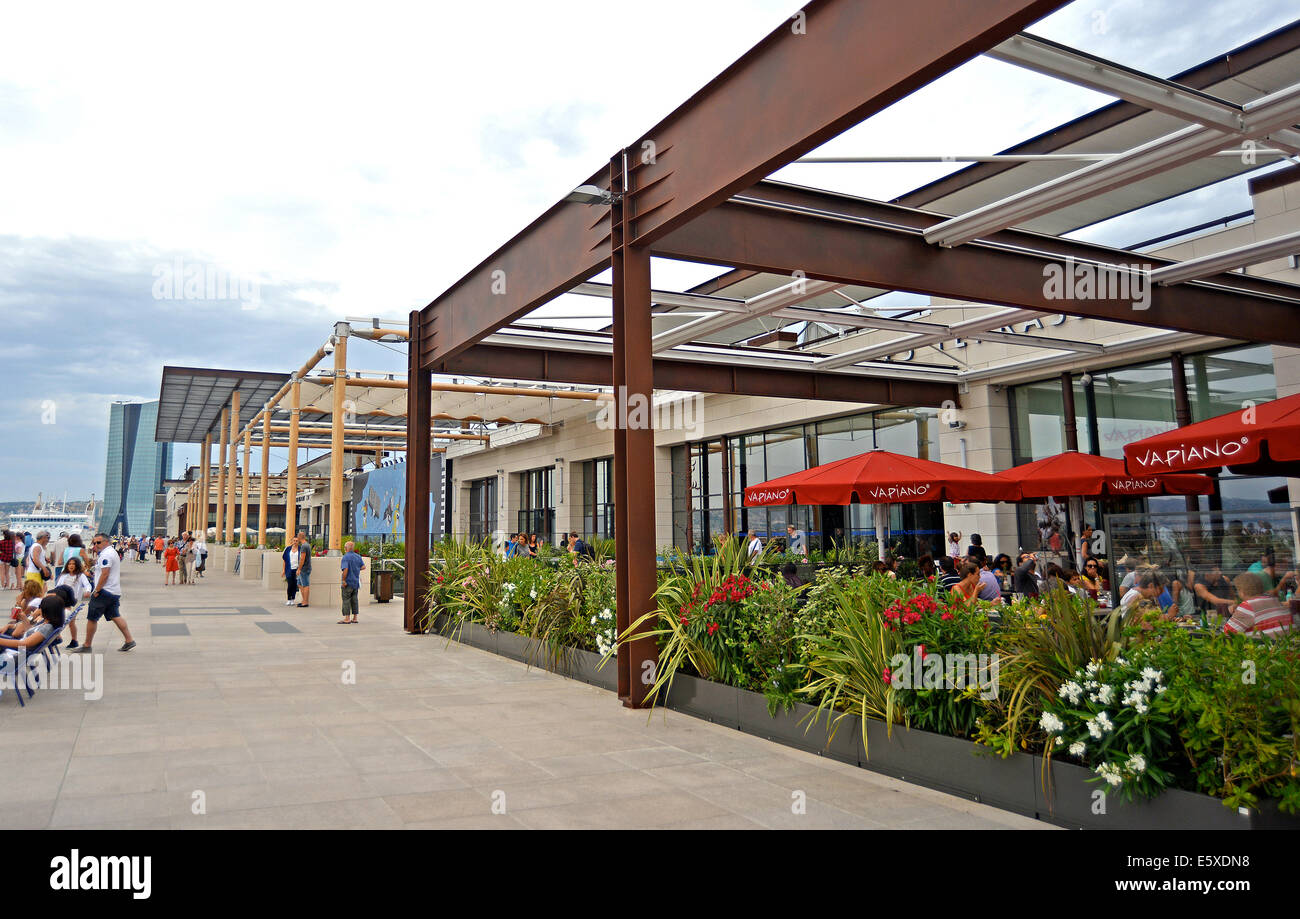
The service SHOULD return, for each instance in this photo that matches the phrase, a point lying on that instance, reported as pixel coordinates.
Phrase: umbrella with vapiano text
(881, 478)
(1073, 474)
(1256, 439)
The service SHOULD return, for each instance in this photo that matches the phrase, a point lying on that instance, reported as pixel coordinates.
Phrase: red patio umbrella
(881, 478)
(1262, 440)
(1073, 474)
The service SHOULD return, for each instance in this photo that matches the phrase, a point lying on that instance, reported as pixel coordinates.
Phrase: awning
(1073, 474)
(881, 477)
(1254, 440)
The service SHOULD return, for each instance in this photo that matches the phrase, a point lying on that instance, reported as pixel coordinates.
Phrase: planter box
(705, 699)
(1070, 801)
(951, 764)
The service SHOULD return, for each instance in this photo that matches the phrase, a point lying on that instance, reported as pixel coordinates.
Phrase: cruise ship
(56, 519)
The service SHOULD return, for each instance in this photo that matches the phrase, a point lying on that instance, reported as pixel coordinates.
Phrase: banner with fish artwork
(379, 501)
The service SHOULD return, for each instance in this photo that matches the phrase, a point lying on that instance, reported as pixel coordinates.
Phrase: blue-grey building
(135, 469)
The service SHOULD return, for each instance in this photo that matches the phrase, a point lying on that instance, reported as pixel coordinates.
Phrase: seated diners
(1213, 592)
(51, 619)
(968, 588)
(1259, 614)
(990, 586)
(1090, 578)
(948, 576)
(1025, 582)
(1143, 593)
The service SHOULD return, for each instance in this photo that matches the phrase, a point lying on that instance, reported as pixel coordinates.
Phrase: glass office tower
(135, 469)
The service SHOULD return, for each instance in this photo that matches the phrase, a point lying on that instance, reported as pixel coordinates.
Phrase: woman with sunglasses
(1091, 577)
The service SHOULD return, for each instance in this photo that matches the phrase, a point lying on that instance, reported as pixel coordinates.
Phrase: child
(26, 605)
(74, 578)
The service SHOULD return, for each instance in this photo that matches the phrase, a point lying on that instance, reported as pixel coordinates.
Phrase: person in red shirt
(1259, 614)
(173, 566)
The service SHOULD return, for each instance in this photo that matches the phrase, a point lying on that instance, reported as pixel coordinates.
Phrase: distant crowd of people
(528, 544)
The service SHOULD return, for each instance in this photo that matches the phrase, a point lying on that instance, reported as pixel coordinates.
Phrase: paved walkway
(245, 720)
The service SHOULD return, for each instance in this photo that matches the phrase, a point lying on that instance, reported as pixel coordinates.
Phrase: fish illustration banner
(379, 501)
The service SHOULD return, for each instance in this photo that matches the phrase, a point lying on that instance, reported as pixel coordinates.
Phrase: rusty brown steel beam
(896, 257)
(419, 406)
(554, 365)
(832, 65)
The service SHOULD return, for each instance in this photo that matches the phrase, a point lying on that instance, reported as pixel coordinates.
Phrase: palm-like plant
(849, 662)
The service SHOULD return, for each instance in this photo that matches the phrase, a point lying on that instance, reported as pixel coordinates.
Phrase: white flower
(1093, 667)
(1161, 688)
(1141, 708)
(1136, 763)
(1093, 728)
(1060, 741)
(1152, 674)
(1105, 694)
(1071, 691)
(1077, 748)
(533, 594)
(606, 614)
(1110, 773)
(1121, 662)
(1051, 723)
(1090, 684)
(1103, 719)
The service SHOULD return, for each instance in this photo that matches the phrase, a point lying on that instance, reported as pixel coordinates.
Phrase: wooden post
(291, 487)
(204, 484)
(266, 473)
(336, 436)
(232, 460)
(243, 488)
(419, 441)
(221, 476)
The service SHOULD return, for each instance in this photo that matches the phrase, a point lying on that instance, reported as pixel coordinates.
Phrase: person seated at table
(1259, 614)
(926, 564)
(1213, 592)
(1143, 595)
(1024, 582)
(990, 586)
(26, 605)
(948, 576)
(969, 588)
(1003, 568)
(1054, 579)
(1090, 577)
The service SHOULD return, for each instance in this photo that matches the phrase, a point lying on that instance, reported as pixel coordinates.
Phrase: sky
(321, 161)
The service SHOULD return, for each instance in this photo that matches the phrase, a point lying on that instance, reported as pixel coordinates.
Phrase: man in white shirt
(57, 549)
(796, 542)
(106, 598)
(755, 545)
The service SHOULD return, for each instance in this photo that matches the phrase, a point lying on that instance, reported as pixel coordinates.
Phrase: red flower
(922, 647)
(713, 627)
(909, 618)
(439, 579)
(684, 620)
(946, 616)
(885, 675)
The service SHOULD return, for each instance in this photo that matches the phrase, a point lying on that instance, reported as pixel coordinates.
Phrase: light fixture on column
(591, 194)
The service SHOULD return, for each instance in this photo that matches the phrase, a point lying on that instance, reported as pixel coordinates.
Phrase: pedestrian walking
(351, 565)
(38, 566)
(106, 597)
(171, 566)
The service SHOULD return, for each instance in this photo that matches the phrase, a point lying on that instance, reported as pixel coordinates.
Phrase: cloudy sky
(351, 161)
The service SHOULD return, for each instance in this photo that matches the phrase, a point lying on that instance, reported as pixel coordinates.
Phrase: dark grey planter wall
(949, 764)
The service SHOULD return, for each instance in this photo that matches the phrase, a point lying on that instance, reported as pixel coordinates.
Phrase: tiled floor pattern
(259, 715)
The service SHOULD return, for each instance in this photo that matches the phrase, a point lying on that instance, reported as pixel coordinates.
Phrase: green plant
(1115, 717)
(1236, 701)
(1041, 643)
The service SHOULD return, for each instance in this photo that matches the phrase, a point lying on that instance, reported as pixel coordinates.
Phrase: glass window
(1219, 382)
(841, 438)
(1037, 409)
(1133, 403)
(785, 451)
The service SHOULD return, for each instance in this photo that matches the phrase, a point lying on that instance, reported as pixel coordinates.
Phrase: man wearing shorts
(106, 598)
(304, 570)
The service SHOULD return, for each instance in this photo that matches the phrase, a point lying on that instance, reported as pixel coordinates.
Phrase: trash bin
(383, 586)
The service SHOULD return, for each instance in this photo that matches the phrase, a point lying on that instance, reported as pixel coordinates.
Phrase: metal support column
(1074, 506)
(337, 420)
(263, 499)
(419, 444)
(220, 535)
(291, 487)
(634, 459)
(243, 488)
(232, 461)
(205, 486)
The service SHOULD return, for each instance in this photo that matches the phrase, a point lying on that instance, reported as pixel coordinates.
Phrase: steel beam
(1009, 270)
(419, 405)
(792, 294)
(1273, 112)
(220, 536)
(1216, 263)
(233, 458)
(266, 473)
(832, 65)
(336, 437)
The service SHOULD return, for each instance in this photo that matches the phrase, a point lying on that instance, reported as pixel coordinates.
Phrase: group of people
(184, 559)
(58, 578)
(520, 545)
(297, 557)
